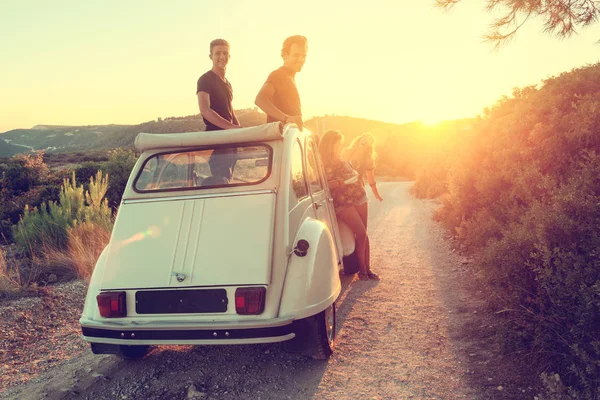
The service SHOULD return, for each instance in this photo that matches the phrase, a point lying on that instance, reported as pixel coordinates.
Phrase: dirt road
(420, 333)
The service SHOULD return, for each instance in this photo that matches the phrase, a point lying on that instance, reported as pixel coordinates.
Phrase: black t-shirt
(221, 96)
(286, 96)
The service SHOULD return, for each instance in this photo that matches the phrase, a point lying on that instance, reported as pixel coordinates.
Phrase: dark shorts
(222, 163)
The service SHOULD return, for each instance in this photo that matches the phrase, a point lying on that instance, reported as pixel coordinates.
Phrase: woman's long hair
(361, 150)
(326, 145)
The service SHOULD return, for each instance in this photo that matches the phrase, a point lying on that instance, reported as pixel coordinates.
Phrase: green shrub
(430, 181)
(523, 196)
(41, 228)
(44, 228)
(23, 172)
(87, 170)
(119, 167)
(97, 211)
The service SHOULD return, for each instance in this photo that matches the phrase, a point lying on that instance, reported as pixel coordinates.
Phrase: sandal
(373, 276)
(363, 276)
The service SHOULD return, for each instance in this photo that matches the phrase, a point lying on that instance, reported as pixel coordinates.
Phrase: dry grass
(9, 284)
(85, 243)
(51, 265)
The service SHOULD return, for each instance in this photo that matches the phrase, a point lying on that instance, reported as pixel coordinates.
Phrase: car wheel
(133, 352)
(351, 264)
(325, 333)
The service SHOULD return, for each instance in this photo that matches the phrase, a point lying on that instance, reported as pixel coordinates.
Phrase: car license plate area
(181, 301)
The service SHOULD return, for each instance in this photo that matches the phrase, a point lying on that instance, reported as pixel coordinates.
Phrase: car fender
(90, 308)
(312, 281)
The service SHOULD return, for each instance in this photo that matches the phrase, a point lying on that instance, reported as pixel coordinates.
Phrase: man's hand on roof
(295, 119)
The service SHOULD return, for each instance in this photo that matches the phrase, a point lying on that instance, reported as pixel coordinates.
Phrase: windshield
(207, 168)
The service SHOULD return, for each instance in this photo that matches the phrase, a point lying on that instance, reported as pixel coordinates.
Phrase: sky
(70, 62)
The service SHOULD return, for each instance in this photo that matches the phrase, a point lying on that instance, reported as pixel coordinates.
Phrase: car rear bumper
(209, 333)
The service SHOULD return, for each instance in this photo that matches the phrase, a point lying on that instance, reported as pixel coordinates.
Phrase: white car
(200, 257)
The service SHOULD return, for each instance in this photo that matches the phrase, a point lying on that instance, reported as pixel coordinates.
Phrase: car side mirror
(262, 162)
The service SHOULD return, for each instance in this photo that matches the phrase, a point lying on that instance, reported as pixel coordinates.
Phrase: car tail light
(250, 300)
(112, 304)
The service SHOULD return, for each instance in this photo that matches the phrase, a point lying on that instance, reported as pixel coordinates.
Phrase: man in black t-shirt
(215, 96)
(214, 91)
(279, 97)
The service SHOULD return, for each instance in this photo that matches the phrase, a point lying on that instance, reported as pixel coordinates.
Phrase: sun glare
(430, 121)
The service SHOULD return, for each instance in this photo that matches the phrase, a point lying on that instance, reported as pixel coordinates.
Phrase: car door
(322, 201)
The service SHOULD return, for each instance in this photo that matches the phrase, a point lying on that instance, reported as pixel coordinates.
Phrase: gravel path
(420, 333)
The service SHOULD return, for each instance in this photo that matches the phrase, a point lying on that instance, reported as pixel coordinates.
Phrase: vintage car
(199, 255)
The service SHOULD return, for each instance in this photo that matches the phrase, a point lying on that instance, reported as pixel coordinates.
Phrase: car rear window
(206, 168)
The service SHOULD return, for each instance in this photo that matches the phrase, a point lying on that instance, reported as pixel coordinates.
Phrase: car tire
(133, 352)
(315, 336)
(325, 333)
(351, 264)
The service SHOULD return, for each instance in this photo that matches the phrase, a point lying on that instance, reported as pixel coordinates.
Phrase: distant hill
(57, 138)
(64, 139)
(190, 123)
(7, 149)
(401, 148)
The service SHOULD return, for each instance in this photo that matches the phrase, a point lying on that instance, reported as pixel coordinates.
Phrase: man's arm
(211, 115)
(263, 101)
(235, 120)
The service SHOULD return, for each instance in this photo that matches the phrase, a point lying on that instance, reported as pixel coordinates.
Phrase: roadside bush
(46, 228)
(523, 197)
(23, 172)
(118, 167)
(87, 170)
(566, 264)
(6, 232)
(42, 228)
(24, 180)
(430, 181)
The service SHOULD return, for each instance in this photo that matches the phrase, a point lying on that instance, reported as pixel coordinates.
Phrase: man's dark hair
(218, 42)
(287, 43)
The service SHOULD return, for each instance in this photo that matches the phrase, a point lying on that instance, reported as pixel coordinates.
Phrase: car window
(175, 173)
(298, 181)
(312, 168)
(228, 166)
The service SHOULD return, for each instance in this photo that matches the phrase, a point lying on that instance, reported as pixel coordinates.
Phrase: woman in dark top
(348, 194)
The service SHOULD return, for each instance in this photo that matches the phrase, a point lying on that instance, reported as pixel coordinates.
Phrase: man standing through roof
(215, 96)
(279, 97)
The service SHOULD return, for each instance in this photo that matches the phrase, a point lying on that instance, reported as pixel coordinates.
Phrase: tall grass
(16, 279)
(8, 284)
(65, 238)
(85, 243)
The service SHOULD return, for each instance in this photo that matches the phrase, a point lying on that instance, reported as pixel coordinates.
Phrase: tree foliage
(561, 17)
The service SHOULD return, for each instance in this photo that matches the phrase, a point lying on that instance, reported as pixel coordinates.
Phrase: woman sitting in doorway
(348, 194)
